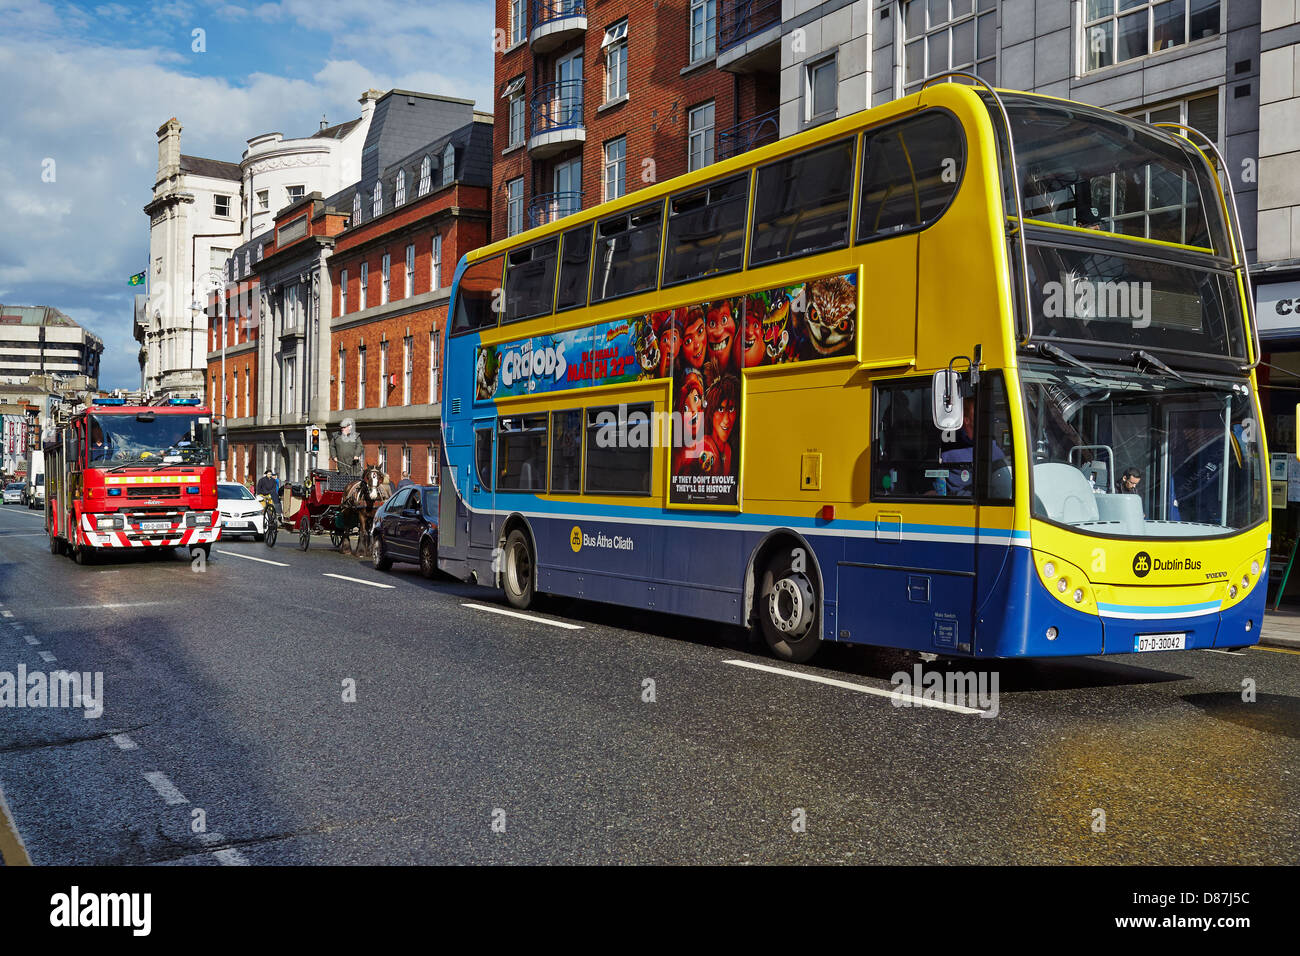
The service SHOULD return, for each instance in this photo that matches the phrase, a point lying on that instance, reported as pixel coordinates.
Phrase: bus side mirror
(947, 410)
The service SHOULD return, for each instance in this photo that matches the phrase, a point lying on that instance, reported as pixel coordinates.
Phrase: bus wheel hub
(789, 605)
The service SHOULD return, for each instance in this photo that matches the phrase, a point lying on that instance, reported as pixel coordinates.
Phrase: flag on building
(137, 279)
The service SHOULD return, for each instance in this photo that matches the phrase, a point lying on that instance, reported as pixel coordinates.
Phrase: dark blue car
(406, 529)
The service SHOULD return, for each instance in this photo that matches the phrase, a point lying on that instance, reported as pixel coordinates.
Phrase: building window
(383, 374)
(377, 200)
(448, 164)
(290, 370)
(514, 97)
(361, 377)
(518, 22)
(615, 168)
(430, 476)
(515, 206)
(248, 379)
(433, 366)
(820, 90)
(1119, 30)
(343, 292)
(290, 307)
(385, 274)
(263, 200)
(409, 278)
(343, 378)
(221, 206)
(700, 137)
(425, 168)
(704, 29)
(356, 208)
(399, 189)
(383, 458)
(435, 264)
(408, 368)
(567, 183)
(938, 37)
(615, 47)
(406, 461)
(365, 281)
(295, 192)
(1199, 112)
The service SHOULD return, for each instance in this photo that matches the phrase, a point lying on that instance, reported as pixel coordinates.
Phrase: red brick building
(243, 318)
(597, 99)
(390, 276)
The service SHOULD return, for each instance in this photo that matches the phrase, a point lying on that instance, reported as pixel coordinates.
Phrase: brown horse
(363, 497)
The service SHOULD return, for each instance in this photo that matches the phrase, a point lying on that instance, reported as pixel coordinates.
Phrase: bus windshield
(149, 439)
(1138, 456)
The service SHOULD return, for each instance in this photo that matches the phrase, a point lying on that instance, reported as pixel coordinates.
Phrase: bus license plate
(1161, 642)
(155, 525)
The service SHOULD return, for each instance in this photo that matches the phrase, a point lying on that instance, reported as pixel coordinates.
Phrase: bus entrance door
(481, 493)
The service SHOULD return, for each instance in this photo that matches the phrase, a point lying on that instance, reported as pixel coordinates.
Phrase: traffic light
(315, 439)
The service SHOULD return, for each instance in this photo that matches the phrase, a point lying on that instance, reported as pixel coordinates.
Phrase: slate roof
(337, 132)
(212, 168)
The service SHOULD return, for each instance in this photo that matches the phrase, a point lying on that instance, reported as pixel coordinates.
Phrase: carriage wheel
(272, 532)
(304, 537)
(336, 538)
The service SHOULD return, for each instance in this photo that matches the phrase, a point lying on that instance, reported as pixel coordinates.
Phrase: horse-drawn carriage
(335, 503)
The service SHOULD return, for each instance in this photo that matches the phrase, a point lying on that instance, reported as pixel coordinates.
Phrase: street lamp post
(220, 285)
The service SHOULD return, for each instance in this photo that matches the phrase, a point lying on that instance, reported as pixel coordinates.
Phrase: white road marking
(860, 688)
(527, 617)
(109, 607)
(373, 584)
(166, 789)
(7, 613)
(230, 857)
(249, 557)
(1219, 650)
(22, 534)
(47, 657)
(31, 639)
(124, 742)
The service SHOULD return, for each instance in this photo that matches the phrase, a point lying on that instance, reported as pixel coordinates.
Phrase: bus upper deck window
(575, 258)
(706, 230)
(530, 281)
(475, 295)
(627, 253)
(910, 172)
(801, 204)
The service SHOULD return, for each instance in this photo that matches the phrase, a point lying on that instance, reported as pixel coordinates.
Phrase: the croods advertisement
(604, 354)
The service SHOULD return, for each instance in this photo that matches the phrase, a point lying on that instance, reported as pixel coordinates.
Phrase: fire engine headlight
(110, 523)
(195, 520)
(115, 491)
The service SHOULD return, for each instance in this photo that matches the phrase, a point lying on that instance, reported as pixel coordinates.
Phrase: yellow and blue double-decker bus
(969, 373)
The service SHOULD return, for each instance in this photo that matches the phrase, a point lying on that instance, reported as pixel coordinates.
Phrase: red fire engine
(122, 473)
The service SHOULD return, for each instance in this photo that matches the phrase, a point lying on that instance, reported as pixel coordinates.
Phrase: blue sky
(87, 85)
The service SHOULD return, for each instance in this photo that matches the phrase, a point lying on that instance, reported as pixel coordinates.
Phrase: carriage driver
(346, 449)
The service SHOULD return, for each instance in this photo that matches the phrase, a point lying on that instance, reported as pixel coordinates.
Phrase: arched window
(448, 164)
(377, 200)
(425, 183)
(356, 207)
(399, 189)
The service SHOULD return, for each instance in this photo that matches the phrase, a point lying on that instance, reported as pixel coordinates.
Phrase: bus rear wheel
(787, 609)
(518, 575)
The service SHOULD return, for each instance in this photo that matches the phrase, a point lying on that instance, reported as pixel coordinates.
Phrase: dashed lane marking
(527, 617)
(1220, 650)
(31, 639)
(912, 699)
(1275, 650)
(47, 657)
(249, 557)
(124, 742)
(373, 584)
(230, 857)
(166, 789)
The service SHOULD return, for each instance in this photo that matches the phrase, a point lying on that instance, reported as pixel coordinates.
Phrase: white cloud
(94, 109)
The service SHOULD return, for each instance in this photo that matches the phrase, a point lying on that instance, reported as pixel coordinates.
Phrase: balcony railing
(556, 106)
(738, 20)
(759, 131)
(547, 207)
(544, 11)
(555, 21)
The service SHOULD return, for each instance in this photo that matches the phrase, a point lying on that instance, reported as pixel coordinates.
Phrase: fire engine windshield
(149, 439)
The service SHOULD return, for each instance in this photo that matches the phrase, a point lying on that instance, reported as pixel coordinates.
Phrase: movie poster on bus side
(603, 354)
(704, 348)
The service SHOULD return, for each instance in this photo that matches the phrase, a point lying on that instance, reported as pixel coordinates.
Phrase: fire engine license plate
(155, 525)
(1161, 642)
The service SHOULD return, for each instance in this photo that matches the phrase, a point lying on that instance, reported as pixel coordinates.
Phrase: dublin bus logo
(1141, 564)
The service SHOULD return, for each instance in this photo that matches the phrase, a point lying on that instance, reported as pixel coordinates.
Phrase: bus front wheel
(518, 577)
(787, 609)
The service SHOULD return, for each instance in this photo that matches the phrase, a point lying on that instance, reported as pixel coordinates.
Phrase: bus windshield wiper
(1064, 357)
(1141, 357)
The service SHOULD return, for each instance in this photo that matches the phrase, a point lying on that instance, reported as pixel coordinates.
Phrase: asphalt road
(476, 736)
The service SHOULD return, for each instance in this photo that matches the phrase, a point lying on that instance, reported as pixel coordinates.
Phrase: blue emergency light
(183, 401)
(110, 401)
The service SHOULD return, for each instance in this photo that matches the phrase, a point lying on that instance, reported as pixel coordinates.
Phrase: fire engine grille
(154, 491)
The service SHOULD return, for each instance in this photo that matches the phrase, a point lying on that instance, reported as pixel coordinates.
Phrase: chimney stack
(367, 101)
(169, 148)
(323, 125)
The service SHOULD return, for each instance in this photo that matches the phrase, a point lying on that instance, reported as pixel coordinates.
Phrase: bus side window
(910, 172)
(801, 204)
(530, 281)
(619, 460)
(477, 296)
(910, 457)
(996, 474)
(575, 257)
(627, 252)
(483, 458)
(566, 450)
(521, 453)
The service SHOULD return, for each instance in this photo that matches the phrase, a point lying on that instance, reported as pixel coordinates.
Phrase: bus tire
(83, 555)
(787, 609)
(517, 575)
